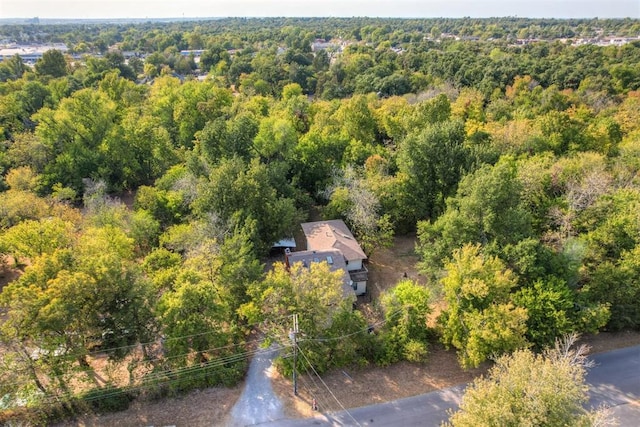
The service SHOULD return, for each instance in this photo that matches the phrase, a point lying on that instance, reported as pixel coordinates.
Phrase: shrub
(108, 399)
(415, 351)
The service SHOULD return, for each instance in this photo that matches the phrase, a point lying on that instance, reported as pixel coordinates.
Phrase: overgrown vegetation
(517, 166)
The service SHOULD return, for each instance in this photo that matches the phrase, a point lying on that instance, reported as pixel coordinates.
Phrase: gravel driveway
(258, 403)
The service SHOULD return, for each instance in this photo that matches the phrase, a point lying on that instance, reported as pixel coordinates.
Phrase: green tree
(434, 160)
(193, 310)
(195, 103)
(405, 332)
(275, 140)
(239, 194)
(162, 267)
(434, 110)
(616, 284)
(530, 389)
(161, 104)
(124, 299)
(197, 313)
(12, 68)
(487, 209)
(69, 301)
(480, 320)
(357, 120)
(31, 238)
(22, 179)
(212, 139)
(145, 230)
(318, 154)
(83, 134)
(550, 310)
(27, 149)
(315, 293)
(16, 206)
(23, 329)
(212, 56)
(166, 206)
(240, 268)
(52, 64)
(149, 147)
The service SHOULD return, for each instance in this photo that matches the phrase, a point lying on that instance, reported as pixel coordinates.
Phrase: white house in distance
(334, 239)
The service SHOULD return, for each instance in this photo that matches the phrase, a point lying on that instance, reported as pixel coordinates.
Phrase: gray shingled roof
(332, 234)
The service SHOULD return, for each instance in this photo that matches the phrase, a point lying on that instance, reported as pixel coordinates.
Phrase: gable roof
(332, 234)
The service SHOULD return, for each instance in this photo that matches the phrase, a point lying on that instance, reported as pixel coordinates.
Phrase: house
(333, 235)
(334, 258)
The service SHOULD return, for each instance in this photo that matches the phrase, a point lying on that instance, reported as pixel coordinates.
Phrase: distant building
(194, 52)
(30, 53)
(336, 45)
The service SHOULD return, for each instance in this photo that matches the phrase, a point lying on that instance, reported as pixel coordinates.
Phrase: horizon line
(316, 17)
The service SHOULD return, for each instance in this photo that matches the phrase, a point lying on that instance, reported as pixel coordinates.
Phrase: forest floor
(348, 388)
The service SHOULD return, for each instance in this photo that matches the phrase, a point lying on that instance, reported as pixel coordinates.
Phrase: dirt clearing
(210, 407)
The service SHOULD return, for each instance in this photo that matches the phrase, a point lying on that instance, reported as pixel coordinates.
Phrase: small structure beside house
(284, 244)
(334, 239)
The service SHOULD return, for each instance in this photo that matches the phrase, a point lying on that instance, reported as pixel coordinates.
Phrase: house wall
(355, 264)
(360, 288)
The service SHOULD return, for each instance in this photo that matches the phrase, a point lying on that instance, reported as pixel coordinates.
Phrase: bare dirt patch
(209, 407)
(608, 341)
(388, 266)
(8, 271)
(362, 386)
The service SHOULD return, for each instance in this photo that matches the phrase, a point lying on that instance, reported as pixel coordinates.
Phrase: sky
(96, 9)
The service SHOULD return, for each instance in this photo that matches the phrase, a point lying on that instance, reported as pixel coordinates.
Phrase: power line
(366, 329)
(112, 349)
(317, 394)
(155, 379)
(213, 363)
(328, 389)
(195, 369)
(233, 358)
(162, 358)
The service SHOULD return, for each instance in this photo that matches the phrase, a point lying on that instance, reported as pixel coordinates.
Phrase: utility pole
(293, 335)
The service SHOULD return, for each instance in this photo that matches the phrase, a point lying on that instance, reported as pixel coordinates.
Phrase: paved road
(426, 410)
(614, 382)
